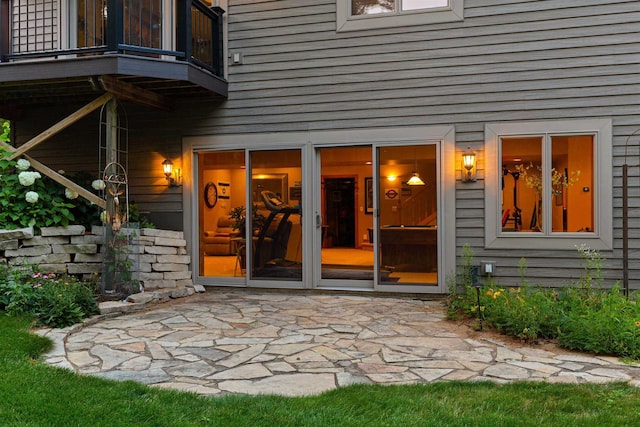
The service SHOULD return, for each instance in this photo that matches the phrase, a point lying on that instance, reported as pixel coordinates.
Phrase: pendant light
(415, 178)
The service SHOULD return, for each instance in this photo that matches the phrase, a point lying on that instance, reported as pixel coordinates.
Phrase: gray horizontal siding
(508, 60)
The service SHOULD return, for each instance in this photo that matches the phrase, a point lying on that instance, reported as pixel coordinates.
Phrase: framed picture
(224, 190)
(368, 195)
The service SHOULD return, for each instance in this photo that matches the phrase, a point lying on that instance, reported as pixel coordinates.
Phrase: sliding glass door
(274, 234)
(373, 217)
(376, 227)
(344, 217)
(407, 206)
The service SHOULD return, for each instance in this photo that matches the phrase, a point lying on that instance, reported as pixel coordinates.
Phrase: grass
(33, 394)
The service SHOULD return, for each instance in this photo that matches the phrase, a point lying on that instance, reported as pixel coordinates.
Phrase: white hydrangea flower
(70, 194)
(98, 184)
(23, 164)
(103, 217)
(27, 178)
(31, 196)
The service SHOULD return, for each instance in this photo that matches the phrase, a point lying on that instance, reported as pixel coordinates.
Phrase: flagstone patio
(298, 343)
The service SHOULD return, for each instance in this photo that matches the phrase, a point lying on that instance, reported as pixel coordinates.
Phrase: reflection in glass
(221, 198)
(522, 174)
(423, 4)
(408, 215)
(276, 241)
(571, 183)
(372, 7)
(536, 194)
(346, 208)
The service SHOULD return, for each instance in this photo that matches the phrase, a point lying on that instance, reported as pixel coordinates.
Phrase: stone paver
(238, 341)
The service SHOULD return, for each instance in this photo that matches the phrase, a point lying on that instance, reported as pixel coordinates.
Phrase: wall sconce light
(469, 165)
(173, 176)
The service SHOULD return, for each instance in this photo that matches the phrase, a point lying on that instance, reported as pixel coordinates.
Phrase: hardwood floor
(332, 258)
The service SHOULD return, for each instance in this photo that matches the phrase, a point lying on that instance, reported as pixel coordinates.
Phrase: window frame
(602, 237)
(348, 22)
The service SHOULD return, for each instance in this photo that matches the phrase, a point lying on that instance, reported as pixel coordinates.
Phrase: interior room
(407, 229)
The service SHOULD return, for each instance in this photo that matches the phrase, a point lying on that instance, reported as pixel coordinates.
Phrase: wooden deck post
(111, 144)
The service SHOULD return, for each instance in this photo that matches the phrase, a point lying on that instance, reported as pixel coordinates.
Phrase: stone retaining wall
(164, 263)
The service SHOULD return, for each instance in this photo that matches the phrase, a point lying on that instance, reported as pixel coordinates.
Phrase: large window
(369, 14)
(549, 182)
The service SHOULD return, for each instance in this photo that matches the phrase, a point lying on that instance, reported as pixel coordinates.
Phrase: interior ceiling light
(415, 178)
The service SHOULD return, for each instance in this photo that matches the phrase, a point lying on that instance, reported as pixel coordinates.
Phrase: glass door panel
(346, 215)
(407, 233)
(220, 235)
(275, 225)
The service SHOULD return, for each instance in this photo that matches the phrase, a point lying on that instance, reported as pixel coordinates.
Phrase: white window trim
(602, 238)
(348, 22)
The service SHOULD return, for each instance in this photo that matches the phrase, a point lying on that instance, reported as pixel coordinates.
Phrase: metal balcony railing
(30, 29)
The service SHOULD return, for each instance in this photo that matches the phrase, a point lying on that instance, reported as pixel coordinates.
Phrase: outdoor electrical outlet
(487, 267)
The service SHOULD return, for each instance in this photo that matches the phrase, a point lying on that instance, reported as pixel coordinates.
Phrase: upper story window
(548, 185)
(370, 14)
(371, 7)
(142, 22)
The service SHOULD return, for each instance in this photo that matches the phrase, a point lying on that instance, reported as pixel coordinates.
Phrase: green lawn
(32, 394)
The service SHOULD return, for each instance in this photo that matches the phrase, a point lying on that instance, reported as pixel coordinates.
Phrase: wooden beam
(61, 125)
(82, 192)
(128, 92)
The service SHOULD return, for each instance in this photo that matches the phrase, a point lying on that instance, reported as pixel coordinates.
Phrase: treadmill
(273, 238)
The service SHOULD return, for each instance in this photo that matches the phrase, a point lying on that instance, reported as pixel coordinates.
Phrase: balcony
(54, 50)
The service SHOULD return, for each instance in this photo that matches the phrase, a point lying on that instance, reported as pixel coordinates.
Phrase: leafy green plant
(582, 316)
(27, 199)
(5, 130)
(462, 299)
(606, 322)
(136, 216)
(117, 277)
(240, 216)
(53, 300)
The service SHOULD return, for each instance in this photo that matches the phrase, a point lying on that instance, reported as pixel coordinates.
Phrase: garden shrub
(54, 300)
(581, 316)
(609, 323)
(27, 199)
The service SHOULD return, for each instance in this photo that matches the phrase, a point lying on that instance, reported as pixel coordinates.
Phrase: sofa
(218, 241)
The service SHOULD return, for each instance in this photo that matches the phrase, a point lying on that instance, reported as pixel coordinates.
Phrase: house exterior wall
(507, 61)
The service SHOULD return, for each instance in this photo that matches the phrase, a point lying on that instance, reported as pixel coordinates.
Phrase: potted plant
(238, 214)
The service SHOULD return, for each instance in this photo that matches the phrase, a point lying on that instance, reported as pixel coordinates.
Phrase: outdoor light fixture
(415, 178)
(173, 176)
(478, 285)
(469, 165)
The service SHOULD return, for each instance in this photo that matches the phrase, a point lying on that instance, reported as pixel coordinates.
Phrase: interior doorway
(340, 212)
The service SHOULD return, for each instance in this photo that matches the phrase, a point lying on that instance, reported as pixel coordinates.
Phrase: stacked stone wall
(164, 263)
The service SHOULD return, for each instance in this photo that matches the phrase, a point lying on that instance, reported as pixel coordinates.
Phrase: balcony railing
(98, 27)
